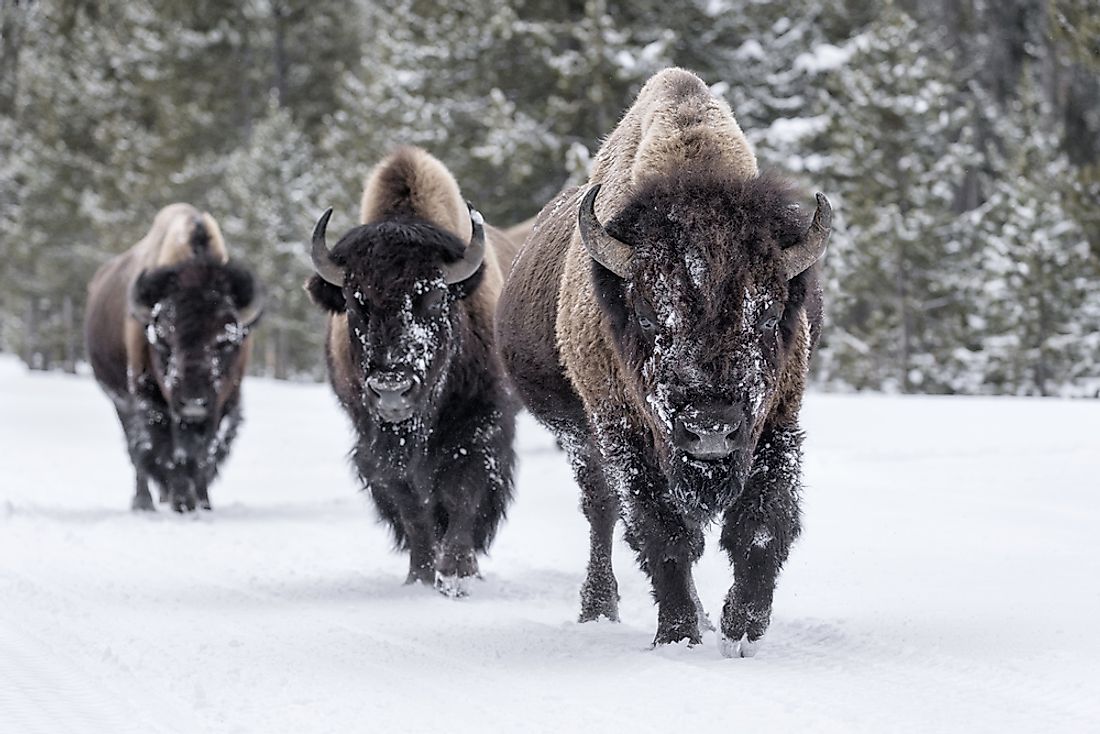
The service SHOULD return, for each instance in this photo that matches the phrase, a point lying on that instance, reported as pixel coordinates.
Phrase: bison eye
(646, 316)
(770, 318)
(432, 302)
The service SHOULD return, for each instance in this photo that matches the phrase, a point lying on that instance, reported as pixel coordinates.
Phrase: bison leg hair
(600, 591)
(757, 535)
(472, 491)
(667, 546)
(407, 512)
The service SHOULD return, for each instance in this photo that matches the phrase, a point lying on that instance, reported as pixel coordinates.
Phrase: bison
(167, 334)
(411, 295)
(660, 321)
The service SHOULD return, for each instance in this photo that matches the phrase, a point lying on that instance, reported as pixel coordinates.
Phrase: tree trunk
(70, 332)
(279, 14)
(904, 317)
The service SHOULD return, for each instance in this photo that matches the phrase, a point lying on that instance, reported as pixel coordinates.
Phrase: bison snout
(707, 433)
(193, 411)
(392, 394)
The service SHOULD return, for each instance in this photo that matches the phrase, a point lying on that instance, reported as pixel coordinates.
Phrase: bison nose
(707, 434)
(193, 410)
(391, 396)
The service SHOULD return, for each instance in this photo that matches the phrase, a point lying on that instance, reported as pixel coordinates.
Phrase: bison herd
(658, 319)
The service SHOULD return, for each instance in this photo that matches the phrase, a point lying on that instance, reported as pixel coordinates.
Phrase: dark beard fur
(701, 489)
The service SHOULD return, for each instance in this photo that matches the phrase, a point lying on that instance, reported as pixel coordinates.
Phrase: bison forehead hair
(199, 296)
(394, 257)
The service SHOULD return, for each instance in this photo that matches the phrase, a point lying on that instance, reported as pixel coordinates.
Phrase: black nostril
(707, 433)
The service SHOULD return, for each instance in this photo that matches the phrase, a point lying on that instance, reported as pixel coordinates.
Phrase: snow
(824, 57)
(946, 581)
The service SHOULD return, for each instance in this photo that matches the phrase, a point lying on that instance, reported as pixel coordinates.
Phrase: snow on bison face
(196, 316)
(694, 278)
(397, 281)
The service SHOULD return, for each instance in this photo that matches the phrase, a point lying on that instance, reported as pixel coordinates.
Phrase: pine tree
(1035, 310)
(898, 143)
(270, 199)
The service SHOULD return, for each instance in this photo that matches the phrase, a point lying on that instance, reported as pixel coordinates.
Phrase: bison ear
(325, 294)
(146, 291)
(244, 294)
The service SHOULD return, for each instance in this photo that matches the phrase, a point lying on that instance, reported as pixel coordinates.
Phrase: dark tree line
(960, 142)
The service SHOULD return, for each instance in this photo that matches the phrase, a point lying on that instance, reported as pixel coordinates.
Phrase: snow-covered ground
(948, 579)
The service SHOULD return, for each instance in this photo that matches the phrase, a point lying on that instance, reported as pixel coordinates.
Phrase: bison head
(398, 281)
(196, 315)
(702, 280)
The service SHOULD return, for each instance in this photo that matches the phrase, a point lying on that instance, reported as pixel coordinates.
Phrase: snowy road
(948, 579)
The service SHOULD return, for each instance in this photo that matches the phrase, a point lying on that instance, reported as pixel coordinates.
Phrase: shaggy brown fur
(679, 183)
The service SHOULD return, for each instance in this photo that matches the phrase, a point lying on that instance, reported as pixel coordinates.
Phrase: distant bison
(411, 294)
(166, 331)
(668, 348)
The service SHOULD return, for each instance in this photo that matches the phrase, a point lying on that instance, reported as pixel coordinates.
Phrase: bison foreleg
(419, 534)
(667, 546)
(758, 532)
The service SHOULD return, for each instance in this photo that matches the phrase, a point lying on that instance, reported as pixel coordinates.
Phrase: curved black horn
(322, 260)
(613, 254)
(460, 270)
(806, 253)
(251, 313)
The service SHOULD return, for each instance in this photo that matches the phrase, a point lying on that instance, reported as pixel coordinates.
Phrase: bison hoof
(591, 613)
(452, 587)
(741, 648)
(420, 576)
(596, 602)
(143, 503)
(205, 505)
(683, 633)
(183, 502)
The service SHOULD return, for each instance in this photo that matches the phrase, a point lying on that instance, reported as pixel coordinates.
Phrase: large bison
(668, 348)
(411, 295)
(167, 333)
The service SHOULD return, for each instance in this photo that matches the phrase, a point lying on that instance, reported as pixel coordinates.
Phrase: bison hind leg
(600, 590)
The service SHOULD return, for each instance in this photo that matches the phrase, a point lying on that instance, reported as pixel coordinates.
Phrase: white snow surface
(947, 580)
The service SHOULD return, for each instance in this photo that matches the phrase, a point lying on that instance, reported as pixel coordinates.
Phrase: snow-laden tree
(898, 143)
(1034, 298)
(270, 193)
(506, 94)
(771, 60)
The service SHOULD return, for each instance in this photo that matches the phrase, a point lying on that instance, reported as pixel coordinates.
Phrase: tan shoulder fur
(412, 181)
